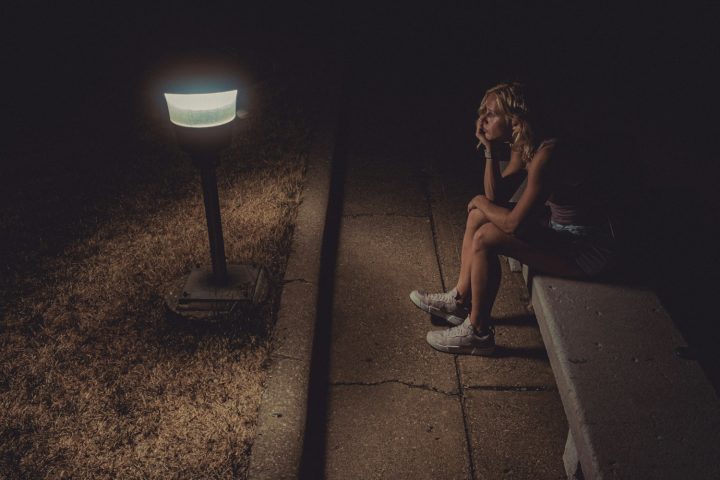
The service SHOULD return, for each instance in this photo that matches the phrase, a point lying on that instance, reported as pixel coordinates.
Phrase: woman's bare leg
(474, 221)
(484, 278)
(488, 242)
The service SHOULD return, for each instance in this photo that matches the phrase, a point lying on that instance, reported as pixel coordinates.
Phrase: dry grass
(95, 382)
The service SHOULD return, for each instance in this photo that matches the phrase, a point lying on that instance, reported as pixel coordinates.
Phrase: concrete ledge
(277, 451)
(635, 408)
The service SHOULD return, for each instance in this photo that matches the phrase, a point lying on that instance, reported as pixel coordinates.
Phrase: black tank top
(575, 197)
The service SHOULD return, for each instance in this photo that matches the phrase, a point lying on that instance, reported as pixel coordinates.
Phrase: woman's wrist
(488, 153)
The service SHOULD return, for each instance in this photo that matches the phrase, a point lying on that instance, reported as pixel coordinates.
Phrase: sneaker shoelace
(465, 329)
(442, 297)
(461, 330)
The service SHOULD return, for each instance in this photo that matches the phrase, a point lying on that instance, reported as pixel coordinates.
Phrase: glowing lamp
(203, 120)
(202, 110)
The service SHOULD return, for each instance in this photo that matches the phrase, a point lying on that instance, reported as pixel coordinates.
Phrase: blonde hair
(512, 101)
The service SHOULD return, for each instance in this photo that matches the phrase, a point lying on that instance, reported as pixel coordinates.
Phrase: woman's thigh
(541, 248)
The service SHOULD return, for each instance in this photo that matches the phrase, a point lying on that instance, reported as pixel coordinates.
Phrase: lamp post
(203, 121)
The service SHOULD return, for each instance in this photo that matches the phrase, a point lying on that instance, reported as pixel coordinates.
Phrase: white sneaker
(441, 305)
(462, 339)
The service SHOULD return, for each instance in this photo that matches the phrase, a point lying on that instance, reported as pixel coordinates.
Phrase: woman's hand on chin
(480, 135)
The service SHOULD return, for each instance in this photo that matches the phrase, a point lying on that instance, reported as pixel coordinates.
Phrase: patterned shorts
(591, 247)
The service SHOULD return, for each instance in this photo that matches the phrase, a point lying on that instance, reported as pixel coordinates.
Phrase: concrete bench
(637, 407)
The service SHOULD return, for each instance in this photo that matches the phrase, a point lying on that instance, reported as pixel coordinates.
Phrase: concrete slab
(367, 194)
(634, 405)
(380, 167)
(516, 435)
(449, 208)
(520, 361)
(451, 191)
(513, 297)
(377, 155)
(277, 449)
(377, 333)
(395, 431)
(394, 133)
(304, 259)
(310, 221)
(293, 333)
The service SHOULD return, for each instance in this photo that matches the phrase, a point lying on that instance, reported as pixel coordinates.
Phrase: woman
(575, 241)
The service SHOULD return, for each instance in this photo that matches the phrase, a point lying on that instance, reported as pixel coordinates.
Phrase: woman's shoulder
(564, 147)
(570, 158)
(548, 142)
(545, 150)
(559, 151)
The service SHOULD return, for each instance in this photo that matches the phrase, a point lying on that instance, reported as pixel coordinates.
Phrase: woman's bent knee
(475, 219)
(479, 242)
(486, 238)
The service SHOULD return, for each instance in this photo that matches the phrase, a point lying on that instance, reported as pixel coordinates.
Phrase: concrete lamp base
(200, 297)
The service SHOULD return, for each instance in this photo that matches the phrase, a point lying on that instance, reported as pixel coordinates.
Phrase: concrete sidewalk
(396, 408)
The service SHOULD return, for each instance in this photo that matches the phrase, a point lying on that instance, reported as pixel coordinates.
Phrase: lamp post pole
(207, 165)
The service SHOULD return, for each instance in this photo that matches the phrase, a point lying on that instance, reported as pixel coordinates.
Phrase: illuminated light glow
(202, 110)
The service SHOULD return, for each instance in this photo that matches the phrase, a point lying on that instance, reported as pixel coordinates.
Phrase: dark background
(639, 80)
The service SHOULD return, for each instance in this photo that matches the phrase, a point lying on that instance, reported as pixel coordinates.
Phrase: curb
(278, 447)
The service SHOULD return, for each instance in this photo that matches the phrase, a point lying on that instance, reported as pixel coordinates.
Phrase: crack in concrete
(297, 280)
(362, 215)
(433, 230)
(383, 382)
(466, 427)
(512, 388)
(460, 388)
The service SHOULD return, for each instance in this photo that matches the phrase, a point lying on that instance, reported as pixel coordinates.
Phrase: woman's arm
(535, 192)
(492, 167)
(498, 185)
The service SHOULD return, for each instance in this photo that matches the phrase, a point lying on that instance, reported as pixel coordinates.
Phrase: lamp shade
(202, 110)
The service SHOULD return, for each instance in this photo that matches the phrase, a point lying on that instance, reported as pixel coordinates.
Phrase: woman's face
(495, 125)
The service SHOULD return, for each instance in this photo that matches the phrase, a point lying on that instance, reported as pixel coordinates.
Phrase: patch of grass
(95, 382)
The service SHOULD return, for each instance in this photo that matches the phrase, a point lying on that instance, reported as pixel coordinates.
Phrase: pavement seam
(511, 388)
(363, 215)
(425, 179)
(297, 280)
(433, 228)
(384, 382)
(466, 428)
